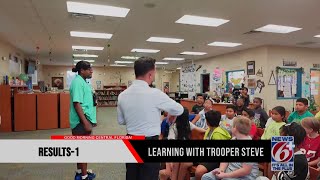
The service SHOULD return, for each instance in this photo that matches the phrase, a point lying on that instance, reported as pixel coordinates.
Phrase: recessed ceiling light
(201, 21)
(193, 53)
(123, 62)
(173, 59)
(95, 9)
(88, 48)
(164, 40)
(118, 65)
(317, 36)
(179, 68)
(145, 50)
(85, 55)
(162, 63)
(129, 57)
(90, 35)
(224, 44)
(77, 60)
(272, 28)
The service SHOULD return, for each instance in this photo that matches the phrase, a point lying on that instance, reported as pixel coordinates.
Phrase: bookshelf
(108, 96)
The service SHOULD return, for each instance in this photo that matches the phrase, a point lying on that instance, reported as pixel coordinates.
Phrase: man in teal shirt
(82, 111)
(301, 111)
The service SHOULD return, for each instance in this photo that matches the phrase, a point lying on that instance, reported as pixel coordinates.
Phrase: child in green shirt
(301, 111)
(273, 129)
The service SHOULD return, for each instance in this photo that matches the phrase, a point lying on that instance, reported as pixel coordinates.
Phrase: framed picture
(166, 87)
(57, 82)
(251, 68)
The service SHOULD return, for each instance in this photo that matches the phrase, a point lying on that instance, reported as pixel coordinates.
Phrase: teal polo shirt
(295, 117)
(81, 92)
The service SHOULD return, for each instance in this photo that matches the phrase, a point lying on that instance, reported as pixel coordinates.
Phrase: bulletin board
(315, 85)
(188, 79)
(289, 83)
(234, 78)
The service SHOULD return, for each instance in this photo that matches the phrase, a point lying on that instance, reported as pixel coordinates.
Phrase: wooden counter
(47, 111)
(64, 110)
(5, 108)
(25, 118)
(188, 103)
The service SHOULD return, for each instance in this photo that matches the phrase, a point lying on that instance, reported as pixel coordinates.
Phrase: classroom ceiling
(27, 24)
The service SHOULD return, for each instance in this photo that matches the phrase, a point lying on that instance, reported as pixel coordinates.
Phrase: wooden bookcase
(108, 96)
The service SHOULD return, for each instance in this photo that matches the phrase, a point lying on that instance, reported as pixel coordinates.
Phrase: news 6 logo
(282, 153)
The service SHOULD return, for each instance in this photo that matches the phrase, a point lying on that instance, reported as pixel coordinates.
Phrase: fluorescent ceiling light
(317, 36)
(272, 28)
(201, 21)
(117, 65)
(173, 59)
(90, 35)
(164, 40)
(85, 55)
(129, 57)
(76, 64)
(77, 60)
(145, 50)
(179, 68)
(162, 63)
(95, 9)
(193, 53)
(123, 62)
(88, 48)
(224, 44)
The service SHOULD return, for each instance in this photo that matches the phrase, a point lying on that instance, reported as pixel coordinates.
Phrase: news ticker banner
(131, 149)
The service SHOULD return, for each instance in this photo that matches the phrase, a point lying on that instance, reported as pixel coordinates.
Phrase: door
(205, 83)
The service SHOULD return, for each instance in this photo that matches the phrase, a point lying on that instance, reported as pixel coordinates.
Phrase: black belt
(156, 137)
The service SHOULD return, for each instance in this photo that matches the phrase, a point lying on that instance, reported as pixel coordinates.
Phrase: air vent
(307, 43)
(252, 32)
(82, 16)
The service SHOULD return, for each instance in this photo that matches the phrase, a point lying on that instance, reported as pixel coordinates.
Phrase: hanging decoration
(217, 76)
(260, 86)
(260, 73)
(272, 79)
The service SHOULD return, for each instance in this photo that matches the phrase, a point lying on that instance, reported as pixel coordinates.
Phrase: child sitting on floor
(236, 170)
(273, 129)
(259, 113)
(301, 169)
(311, 144)
(200, 119)
(180, 129)
(301, 111)
(248, 113)
(227, 119)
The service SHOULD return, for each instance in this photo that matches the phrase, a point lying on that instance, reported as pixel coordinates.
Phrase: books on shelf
(108, 96)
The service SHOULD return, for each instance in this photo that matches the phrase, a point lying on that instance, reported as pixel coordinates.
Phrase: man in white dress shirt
(139, 108)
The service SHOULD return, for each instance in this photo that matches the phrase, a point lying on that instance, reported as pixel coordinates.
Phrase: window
(289, 82)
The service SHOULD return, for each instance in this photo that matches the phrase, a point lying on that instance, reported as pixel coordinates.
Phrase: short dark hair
(303, 100)
(85, 65)
(232, 106)
(295, 130)
(143, 65)
(259, 99)
(213, 118)
(250, 112)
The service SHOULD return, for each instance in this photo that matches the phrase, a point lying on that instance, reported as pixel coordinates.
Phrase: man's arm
(121, 120)
(165, 103)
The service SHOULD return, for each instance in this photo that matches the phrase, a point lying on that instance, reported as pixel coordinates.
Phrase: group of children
(301, 124)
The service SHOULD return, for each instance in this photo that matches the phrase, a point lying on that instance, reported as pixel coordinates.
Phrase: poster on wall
(251, 68)
(188, 79)
(287, 82)
(235, 78)
(217, 76)
(252, 83)
(57, 82)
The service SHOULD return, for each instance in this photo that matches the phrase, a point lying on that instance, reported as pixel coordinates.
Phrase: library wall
(109, 76)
